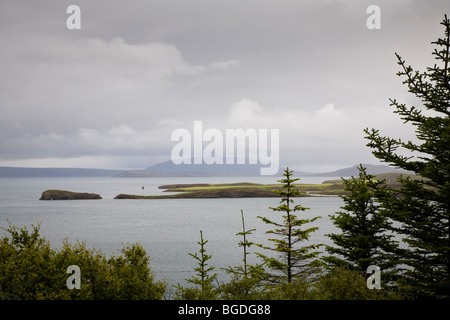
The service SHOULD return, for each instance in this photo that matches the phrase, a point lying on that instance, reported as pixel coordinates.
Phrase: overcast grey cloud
(109, 95)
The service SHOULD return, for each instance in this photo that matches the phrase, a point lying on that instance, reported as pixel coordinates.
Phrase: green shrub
(345, 284)
(30, 269)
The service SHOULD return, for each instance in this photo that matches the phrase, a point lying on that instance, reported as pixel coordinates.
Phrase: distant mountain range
(168, 169)
(22, 172)
(353, 171)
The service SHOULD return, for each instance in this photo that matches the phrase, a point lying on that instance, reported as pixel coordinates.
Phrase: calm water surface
(168, 229)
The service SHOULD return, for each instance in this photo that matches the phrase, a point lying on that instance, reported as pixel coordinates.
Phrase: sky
(110, 94)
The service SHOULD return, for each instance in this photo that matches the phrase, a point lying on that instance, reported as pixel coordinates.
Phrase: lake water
(168, 229)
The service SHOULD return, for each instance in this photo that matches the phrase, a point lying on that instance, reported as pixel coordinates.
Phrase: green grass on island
(254, 190)
(238, 190)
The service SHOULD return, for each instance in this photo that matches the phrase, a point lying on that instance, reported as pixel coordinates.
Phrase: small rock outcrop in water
(67, 195)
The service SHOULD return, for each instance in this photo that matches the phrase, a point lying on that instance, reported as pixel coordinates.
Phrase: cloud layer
(109, 95)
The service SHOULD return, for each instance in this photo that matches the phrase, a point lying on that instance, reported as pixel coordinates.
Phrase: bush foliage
(31, 269)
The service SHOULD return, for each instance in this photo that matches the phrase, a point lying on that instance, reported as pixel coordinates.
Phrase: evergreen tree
(294, 259)
(245, 244)
(363, 240)
(203, 279)
(246, 278)
(422, 207)
(244, 270)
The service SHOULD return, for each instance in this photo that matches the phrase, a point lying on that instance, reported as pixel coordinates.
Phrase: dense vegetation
(421, 208)
(292, 268)
(31, 269)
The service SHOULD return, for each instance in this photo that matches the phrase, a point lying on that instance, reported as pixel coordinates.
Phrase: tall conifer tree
(294, 259)
(363, 239)
(422, 207)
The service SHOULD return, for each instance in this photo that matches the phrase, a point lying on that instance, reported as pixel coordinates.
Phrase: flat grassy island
(228, 190)
(238, 190)
(256, 190)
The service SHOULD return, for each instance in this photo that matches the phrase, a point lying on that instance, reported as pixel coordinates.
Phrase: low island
(67, 195)
(255, 190)
(231, 190)
(238, 190)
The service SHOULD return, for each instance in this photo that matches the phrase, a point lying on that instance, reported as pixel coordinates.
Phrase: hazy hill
(353, 171)
(23, 172)
(201, 170)
(168, 169)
